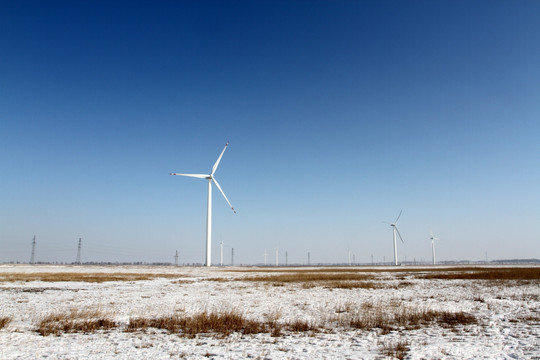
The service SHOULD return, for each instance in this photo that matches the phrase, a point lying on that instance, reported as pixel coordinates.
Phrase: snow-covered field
(508, 314)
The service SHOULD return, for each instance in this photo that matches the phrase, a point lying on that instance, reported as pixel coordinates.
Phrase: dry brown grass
(396, 350)
(517, 273)
(367, 269)
(328, 279)
(375, 270)
(222, 323)
(282, 270)
(80, 277)
(351, 278)
(388, 318)
(301, 277)
(4, 321)
(528, 319)
(348, 285)
(74, 321)
(309, 280)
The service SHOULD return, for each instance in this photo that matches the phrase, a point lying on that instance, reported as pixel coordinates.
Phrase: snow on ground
(508, 314)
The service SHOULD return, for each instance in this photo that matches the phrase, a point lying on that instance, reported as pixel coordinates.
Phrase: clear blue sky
(339, 115)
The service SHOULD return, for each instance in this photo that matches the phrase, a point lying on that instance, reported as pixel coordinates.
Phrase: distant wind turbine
(433, 238)
(211, 179)
(394, 231)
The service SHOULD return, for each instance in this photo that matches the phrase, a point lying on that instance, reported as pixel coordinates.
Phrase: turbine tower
(433, 238)
(265, 257)
(221, 254)
(211, 179)
(78, 261)
(394, 231)
(176, 258)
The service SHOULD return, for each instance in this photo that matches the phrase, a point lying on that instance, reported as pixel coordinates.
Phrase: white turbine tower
(211, 179)
(394, 231)
(433, 238)
(221, 254)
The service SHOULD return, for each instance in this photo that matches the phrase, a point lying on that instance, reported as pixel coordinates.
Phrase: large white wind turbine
(211, 179)
(394, 231)
(433, 238)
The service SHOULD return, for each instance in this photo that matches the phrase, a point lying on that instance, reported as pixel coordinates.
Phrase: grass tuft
(387, 318)
(75, 321)
(396, 350)
(4, 321)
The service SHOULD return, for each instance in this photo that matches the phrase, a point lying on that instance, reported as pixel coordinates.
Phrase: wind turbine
(394, 231)
(211, 179)
(433, 238)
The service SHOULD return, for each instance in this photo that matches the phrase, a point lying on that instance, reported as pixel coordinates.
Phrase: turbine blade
(219, 159)
(222, 193)
(395, 222)
(200, 176)
(399, 235)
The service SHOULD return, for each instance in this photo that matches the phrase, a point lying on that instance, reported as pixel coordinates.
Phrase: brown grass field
(80, 277)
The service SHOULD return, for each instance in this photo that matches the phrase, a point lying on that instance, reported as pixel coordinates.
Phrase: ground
(97, 312)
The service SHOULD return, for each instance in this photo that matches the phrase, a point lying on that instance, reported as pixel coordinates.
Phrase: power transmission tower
(176, 258)
(78, 261)
(33, 250)
(232, 256)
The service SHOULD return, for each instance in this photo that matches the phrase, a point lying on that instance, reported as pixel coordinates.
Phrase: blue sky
(339, 115)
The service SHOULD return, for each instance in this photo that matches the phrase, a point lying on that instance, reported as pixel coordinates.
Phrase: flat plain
(119, 312)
